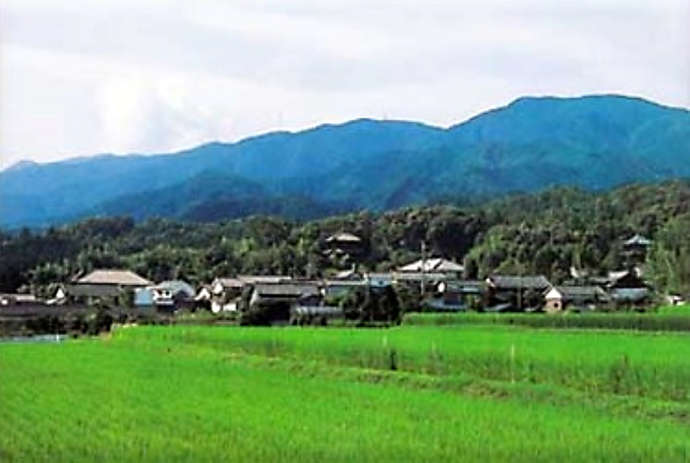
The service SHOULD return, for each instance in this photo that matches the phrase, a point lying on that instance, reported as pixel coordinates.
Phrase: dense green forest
(543, 233)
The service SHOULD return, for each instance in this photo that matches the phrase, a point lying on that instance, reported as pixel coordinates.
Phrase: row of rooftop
(442, 288)
(439, 282)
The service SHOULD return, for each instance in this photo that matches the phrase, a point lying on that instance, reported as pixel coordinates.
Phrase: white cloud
(127, 76)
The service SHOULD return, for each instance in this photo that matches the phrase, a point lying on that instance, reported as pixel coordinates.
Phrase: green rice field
(668, 318)
(413, 393)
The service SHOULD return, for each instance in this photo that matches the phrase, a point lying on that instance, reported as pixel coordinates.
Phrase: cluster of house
(438, 281)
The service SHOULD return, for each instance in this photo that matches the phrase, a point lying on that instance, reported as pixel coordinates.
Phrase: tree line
(544, 233)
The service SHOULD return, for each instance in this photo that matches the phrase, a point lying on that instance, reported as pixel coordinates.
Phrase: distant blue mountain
(595, 142)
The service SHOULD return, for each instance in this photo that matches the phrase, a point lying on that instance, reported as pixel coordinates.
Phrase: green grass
(662, 319)
(683, 309)
(640, 364)
(159, 394)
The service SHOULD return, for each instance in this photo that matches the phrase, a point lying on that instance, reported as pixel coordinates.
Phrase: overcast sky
(84, 77)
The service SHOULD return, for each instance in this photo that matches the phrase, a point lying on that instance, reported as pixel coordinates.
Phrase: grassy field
(404, 394)
(667, 318)
(642, 364)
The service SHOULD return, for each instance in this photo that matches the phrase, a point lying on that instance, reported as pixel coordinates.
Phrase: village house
(434, 265)
(277, 300)
(627, 286)
(559, 298)
(337, 288)
(456, 295)
(510, 292)
(429, 280)
(166, 296)
(103, 286)
(224, 294)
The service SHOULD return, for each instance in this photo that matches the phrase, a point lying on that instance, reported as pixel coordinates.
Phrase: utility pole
(519, 294)
(423, 284)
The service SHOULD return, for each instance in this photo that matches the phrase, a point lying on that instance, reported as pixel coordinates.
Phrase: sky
(88, 77)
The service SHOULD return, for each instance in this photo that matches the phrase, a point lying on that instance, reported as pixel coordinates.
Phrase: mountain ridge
(594, 141)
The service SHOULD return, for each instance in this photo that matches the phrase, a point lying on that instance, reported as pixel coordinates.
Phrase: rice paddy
(472, 393)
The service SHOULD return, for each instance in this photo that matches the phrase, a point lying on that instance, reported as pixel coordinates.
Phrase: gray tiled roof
(286, 290)
(92, 290)
(515, 282)
(574, 292)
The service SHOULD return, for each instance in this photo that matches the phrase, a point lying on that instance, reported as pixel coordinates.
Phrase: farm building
(627, 286)
(427, 281)
(520, 292)
(276, 300)
(625, 279)
(109, 286)
(223, 294)
(166, 296)
(560, 297)
(220, 285)
(334, 288)
(456, 295)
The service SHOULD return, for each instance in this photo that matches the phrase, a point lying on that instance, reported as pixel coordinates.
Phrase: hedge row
(612, 321)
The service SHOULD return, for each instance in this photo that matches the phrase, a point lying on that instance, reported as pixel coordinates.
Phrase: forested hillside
(542, 233)
(592, 142)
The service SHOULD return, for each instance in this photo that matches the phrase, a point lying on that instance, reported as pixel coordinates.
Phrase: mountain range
(593, 142)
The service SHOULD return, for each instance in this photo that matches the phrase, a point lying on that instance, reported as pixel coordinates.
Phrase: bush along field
(413, 393)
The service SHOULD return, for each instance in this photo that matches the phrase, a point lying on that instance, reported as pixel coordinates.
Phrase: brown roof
(114, 277)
